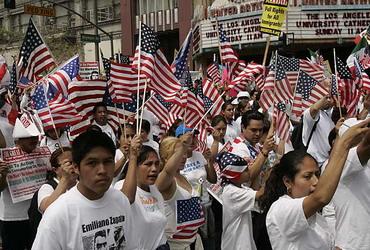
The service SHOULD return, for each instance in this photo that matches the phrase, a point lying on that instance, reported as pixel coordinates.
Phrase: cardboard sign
(89, 70)
(273, 16)
(27, 172)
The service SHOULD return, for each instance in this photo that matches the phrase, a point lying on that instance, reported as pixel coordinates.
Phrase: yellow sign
(39, 11)
(273, 18)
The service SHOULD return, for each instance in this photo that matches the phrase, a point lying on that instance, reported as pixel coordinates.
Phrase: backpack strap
(313, 130)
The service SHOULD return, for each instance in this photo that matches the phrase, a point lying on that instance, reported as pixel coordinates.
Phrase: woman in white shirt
(294, 195)
(59, 180)
(146, 201)
(182, 204)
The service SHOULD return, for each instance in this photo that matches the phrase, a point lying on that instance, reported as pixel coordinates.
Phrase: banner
(89, 70)
(27, 172)
(273, 16)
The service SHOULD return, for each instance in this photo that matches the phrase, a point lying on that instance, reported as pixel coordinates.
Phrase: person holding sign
(23, 174)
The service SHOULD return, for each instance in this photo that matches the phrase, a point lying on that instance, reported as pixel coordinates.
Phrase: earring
(288, 190)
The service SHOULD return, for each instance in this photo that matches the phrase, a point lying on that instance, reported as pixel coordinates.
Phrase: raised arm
(211, 173)
(66, 182)
(130, 184)
(328, 182)
(166, 177)
(125, 148)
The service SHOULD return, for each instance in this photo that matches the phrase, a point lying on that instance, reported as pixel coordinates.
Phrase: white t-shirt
(54, 144)
(238, 125)
(149, 216)
(238, 203)
(10, 211)
(75, 222)
(195, 172)
(117, 157)
(288, 228)
(319, 146)
(44, 191)
(351, 203)
(108, 130)
(231, 132)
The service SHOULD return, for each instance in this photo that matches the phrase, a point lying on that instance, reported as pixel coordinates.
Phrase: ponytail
(274, 188)
(288, 167)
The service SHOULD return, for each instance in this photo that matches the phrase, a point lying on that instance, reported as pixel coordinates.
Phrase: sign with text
(87, 69)
(39, 11)
(27, 172)
(89, 38)
(308, 23)
(273, 17)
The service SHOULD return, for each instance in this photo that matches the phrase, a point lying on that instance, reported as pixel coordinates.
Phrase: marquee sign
(307, 21)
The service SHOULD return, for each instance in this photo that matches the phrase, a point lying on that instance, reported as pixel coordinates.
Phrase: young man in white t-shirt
(91, 213)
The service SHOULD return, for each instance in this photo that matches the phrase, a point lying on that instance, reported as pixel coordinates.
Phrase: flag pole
(138, 81)
(336, 82)
(218, 39)
(142, 105)
(276, 58)
(268, 39)
(142, 110)
(51, 118)
(209, 110)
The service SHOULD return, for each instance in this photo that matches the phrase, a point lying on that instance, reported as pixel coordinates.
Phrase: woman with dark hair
(294, 194)
(216, 140)
(61, 178)
(146, 201)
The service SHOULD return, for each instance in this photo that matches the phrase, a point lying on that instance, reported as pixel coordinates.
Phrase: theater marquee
(309, 20)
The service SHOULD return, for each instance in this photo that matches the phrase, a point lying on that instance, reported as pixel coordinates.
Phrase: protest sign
(27, 172)
(88, 69)
(273, 16)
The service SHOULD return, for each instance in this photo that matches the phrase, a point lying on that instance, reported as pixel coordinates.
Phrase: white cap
(235, 101)
(243, 94)
(27, 126)
(347, 124)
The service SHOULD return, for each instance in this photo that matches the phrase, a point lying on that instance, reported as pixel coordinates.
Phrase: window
(105, 14)
(90, 15)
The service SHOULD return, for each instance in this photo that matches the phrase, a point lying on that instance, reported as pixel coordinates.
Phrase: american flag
(208, 102)
(34, 56)
(362, 77)
(214, 74)
(106, 65)
(154, 65)
(189, 217)
(348, 89)
(116, 113)
(13, 79)
(124, 82)
(163, 110)
(316, 71)
(277, 87)
(62, 77)
(52, 107)
(231, 165)
(227, 53)
(281, 121)
(333, 88)
(179, 64)
(85, 95)
(308, 92)
(194, 105)
(291, 67)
